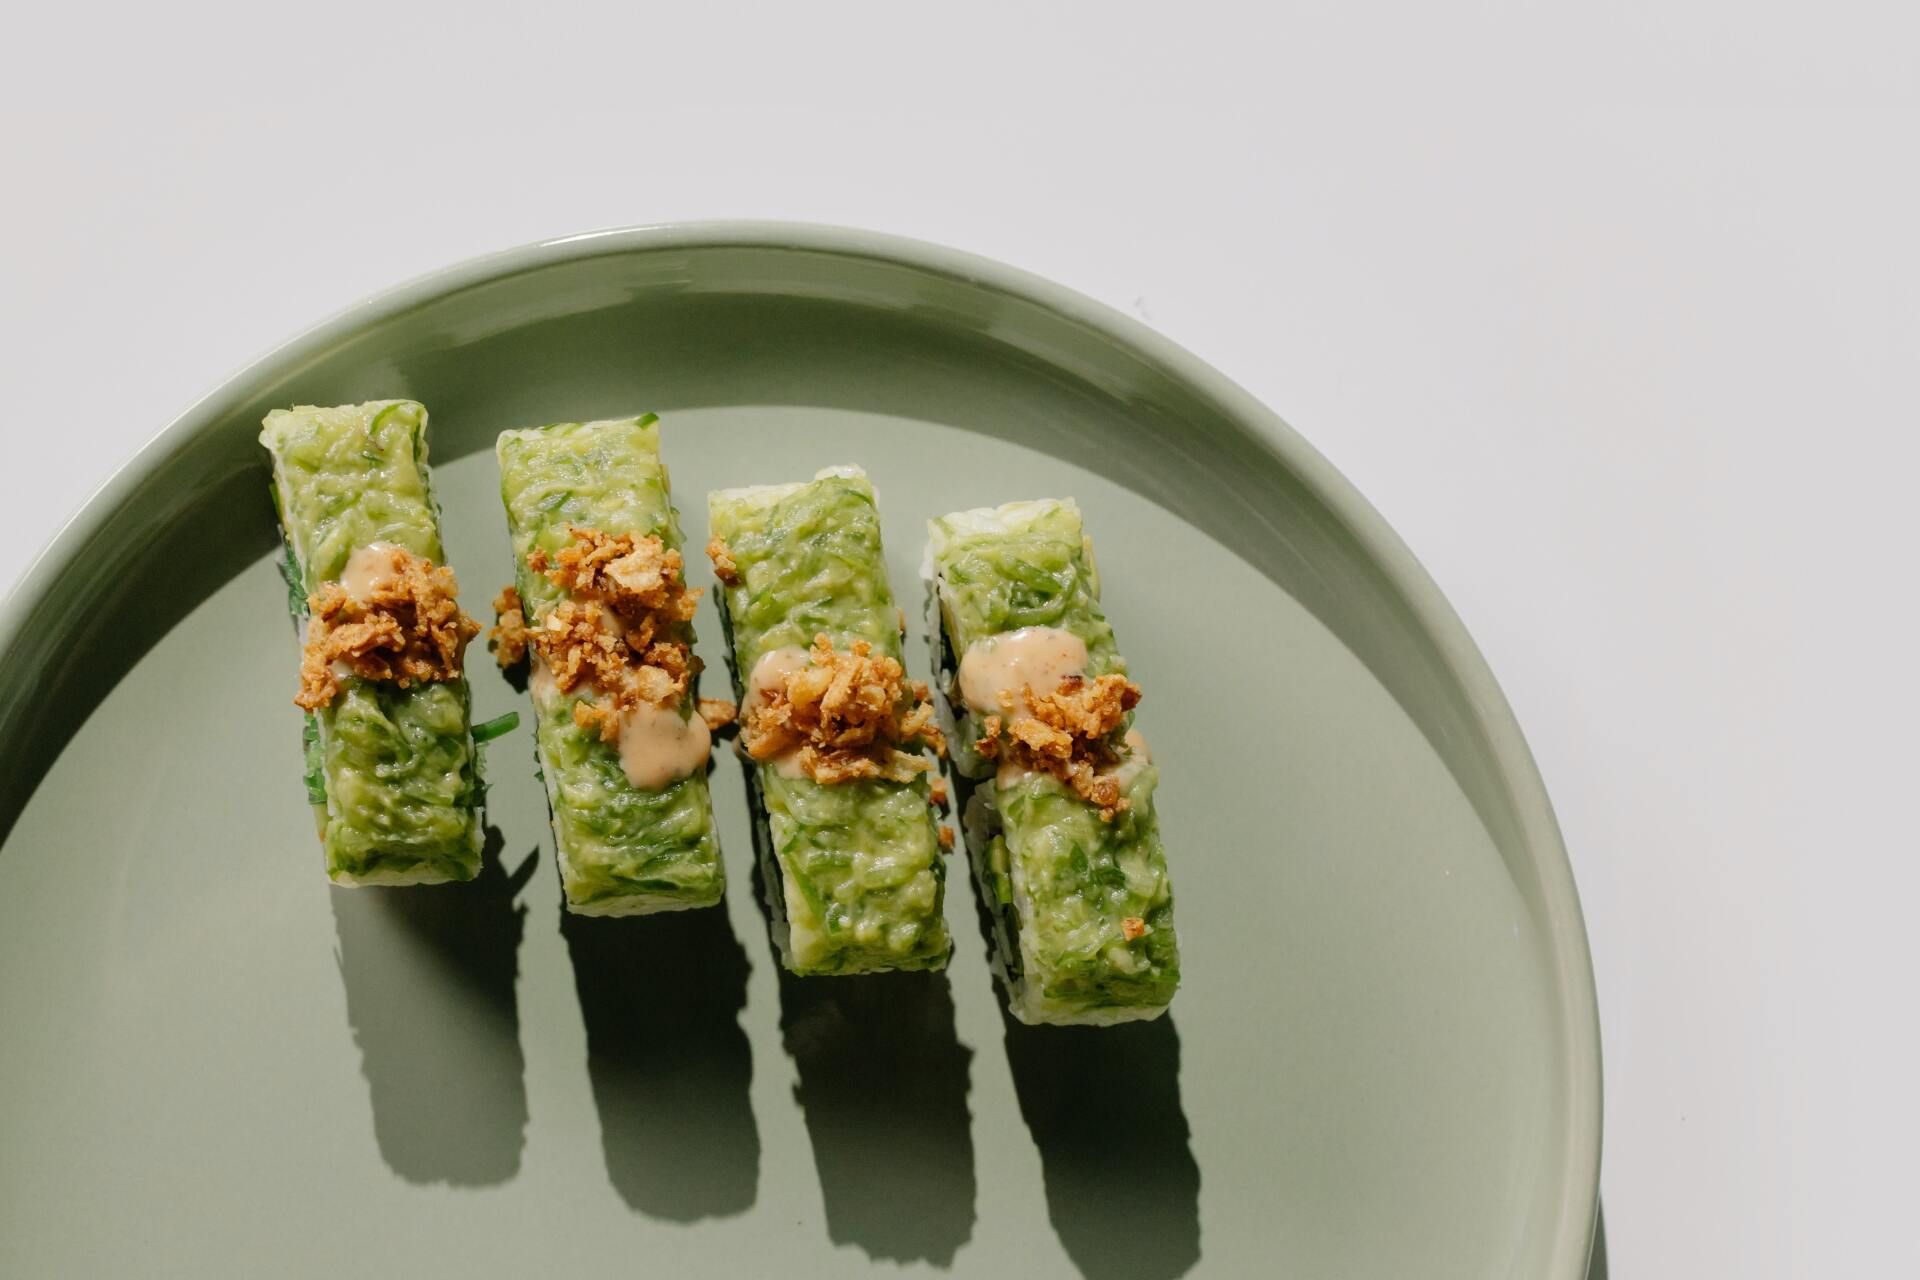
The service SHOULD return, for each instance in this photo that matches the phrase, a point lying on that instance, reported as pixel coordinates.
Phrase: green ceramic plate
(1384, 1059)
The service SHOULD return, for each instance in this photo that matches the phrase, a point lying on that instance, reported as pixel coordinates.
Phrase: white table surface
(1614, 313)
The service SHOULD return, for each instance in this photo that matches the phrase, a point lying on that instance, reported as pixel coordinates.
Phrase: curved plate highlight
(1384, 1060)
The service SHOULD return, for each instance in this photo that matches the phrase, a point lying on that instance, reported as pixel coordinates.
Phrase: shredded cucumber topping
(857, 866)
(810, 562)
(1035, 571)
(621, 848)
(1081, 878)
(393, 767)
(618, 840)
(399, 779)
(351, 476)
(1061, 883)
(596, 475)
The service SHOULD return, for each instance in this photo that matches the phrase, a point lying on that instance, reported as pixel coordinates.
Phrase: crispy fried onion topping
(508, 637)
(845, 716)
(722, 556)
(621, 628)
(408, 630)
(1065, 733)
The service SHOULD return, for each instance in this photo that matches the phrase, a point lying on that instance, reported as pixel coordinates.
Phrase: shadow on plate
(429, 973)
(1103, 1105)
(668, 1061)
(1597, 1260)
(883, 1083)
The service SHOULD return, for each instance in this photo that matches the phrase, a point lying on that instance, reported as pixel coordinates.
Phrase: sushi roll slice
(851, 856)
(391, 765)
(601, 609)
(1060, 823)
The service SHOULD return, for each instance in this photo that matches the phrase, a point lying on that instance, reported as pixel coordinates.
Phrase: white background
(1613, 311)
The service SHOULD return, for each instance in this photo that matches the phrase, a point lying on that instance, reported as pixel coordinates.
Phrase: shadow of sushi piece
(882, 1080)
(1103, 1106)
(429, 972)
(670, 1066)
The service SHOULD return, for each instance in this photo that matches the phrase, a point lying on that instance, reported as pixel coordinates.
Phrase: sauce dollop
(658, 745)
(1036, 658)
(770, 673)
(368, 569)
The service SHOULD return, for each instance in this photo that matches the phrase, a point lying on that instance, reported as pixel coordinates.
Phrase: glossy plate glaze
(1383, 1062)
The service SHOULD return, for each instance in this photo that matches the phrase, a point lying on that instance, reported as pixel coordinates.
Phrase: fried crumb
(622, 628)
(410, 630)
(937, 791)
(722, 556)
(844, 717)
(946, 839)
(635, 577)
(598, 718)
(1065, 733)
(718, 713)
(1132, 928)
(508, 638)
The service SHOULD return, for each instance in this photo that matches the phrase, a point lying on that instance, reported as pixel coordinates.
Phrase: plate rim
(1566, 929)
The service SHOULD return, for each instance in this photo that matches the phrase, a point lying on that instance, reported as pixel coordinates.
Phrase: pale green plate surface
(1384, 1059)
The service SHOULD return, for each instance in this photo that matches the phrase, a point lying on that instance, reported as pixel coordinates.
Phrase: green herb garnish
(493, 728)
